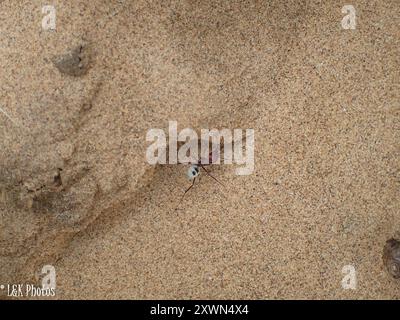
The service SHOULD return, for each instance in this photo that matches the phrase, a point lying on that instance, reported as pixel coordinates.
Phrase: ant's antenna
(210, 175)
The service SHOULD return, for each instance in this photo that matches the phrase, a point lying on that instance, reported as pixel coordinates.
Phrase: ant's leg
(194, 179)
(209, 174)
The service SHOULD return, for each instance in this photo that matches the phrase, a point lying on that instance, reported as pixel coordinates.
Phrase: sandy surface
(77, 193)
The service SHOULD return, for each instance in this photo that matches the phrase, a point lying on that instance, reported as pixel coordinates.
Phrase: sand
(76, 191)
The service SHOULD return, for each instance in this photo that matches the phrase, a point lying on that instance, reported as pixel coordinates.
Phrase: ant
(195, 166)
(194, 171)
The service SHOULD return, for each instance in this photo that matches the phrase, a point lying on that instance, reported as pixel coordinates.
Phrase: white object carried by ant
(193, 172)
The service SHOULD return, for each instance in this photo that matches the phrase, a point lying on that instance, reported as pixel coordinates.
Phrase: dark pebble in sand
(391, 257)
(74, 63)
